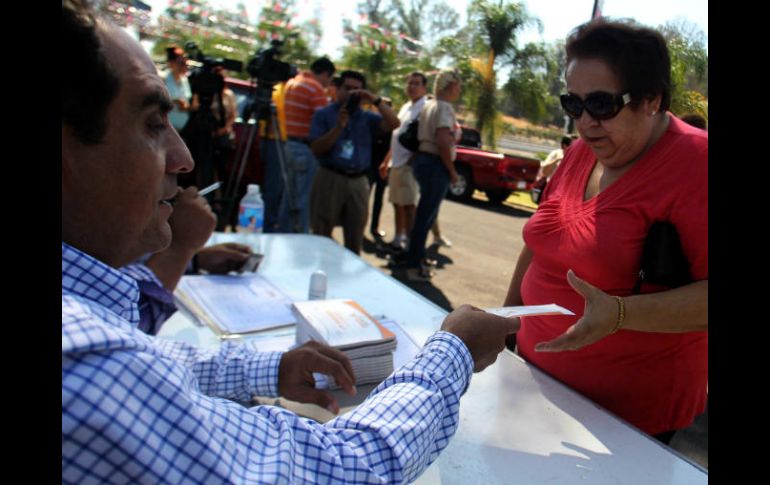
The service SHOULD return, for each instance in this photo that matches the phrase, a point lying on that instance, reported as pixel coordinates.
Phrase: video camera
(268, 70)
(204, 80)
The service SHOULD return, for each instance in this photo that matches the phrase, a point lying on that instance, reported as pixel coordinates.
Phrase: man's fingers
(514, 324)
(333, 367)
(340, 357)
(241, 248)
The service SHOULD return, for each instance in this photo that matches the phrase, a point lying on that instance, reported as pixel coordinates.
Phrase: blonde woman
(433, 166)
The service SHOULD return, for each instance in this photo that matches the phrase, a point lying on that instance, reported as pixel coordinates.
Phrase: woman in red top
(642, 357)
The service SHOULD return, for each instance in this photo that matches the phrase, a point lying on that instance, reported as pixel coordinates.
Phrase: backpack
(408, 138)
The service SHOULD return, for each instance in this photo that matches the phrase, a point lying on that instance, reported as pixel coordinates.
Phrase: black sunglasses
(600, 105)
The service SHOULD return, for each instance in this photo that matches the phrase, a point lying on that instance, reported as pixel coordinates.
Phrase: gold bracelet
(621, 313)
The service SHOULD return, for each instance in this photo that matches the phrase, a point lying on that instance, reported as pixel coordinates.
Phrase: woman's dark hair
(88, 83)
(353, 75)
(637, 55)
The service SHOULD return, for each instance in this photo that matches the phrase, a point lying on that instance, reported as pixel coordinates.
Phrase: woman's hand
(599, 319)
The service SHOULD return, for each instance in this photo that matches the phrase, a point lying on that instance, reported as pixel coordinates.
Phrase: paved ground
(477, 269)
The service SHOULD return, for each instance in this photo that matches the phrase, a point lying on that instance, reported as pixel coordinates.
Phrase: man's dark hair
(420, 75)
(322, 65)
(695, 120)
(88, 83)
(353, 75)
(566, 140)
(638, 56)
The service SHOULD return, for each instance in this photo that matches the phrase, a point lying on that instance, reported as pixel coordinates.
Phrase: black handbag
(663, 260)
(408, 138)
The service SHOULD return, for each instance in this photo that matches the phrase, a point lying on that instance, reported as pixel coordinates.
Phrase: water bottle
(251, 214)
(317, 290)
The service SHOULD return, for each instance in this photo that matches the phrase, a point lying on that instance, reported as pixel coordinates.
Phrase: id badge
(347, 150)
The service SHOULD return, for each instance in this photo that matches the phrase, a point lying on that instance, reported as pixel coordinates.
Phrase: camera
(204, 80)
(352, 104)
(268, 70)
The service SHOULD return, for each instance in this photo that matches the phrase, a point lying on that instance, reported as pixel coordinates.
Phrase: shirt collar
(85, 276)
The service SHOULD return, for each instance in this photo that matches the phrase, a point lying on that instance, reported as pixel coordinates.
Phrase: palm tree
(498, 24)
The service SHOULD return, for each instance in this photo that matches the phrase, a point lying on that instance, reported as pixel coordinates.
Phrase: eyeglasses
(600, 105)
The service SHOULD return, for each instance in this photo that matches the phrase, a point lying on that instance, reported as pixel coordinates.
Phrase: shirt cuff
(459, 359)
(263, 373)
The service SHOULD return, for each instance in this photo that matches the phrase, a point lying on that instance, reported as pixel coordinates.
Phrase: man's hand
(483, 333)
(223, 258)
(192, 221)
(384, 169)
(295, 374)
(599, 318)
(343, 117)
(365, 95)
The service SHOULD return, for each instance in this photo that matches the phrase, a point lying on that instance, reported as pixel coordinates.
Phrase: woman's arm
(680, 310)
(513, 298)
(445, 141)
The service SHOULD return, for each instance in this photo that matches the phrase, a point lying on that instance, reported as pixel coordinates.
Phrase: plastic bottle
(317, 290)
(251, 214)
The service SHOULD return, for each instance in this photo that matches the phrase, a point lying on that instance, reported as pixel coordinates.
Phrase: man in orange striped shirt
(305, 93)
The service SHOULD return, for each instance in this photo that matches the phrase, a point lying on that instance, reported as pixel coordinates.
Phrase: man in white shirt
(404, 190)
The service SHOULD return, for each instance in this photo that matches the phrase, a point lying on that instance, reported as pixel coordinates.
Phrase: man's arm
(326, 142)
(158, 419)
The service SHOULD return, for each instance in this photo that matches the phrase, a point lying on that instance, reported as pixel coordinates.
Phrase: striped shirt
(304, 95)
(138, 409)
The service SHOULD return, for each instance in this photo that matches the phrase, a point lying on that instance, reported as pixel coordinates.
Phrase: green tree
(689, 67)
(535, 83)
(387, 45)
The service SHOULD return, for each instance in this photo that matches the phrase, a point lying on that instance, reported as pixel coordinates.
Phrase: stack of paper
(344, 325)
(234, 304)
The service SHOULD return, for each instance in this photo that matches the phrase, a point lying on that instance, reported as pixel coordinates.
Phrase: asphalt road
(477, 270)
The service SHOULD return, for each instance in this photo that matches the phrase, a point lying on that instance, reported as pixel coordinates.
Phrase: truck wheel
(497, 196)
(463, 189)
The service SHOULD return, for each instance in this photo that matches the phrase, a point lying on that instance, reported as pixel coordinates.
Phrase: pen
(210, 188)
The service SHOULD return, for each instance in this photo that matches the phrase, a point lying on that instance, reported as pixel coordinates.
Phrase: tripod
(260, 104)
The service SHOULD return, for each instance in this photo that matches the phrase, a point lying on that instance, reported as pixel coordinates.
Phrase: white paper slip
(528, 311)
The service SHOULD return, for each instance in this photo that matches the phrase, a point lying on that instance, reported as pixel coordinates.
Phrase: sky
(558, 16)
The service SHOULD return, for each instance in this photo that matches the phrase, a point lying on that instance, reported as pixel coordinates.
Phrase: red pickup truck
(497, 174)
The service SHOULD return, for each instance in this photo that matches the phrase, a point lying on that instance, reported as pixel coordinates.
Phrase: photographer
(341, 137)
(209, 132)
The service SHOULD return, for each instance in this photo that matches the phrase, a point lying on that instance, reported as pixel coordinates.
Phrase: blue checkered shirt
(136, 409)
(156, 303)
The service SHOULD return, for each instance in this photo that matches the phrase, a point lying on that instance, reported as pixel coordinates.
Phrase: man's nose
(178, 157)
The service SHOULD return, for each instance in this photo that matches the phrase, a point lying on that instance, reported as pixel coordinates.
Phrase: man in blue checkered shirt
(136, 409)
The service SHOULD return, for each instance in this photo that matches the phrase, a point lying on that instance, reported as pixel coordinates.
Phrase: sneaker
(442, 241)
(432, 263)
(421, 274)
